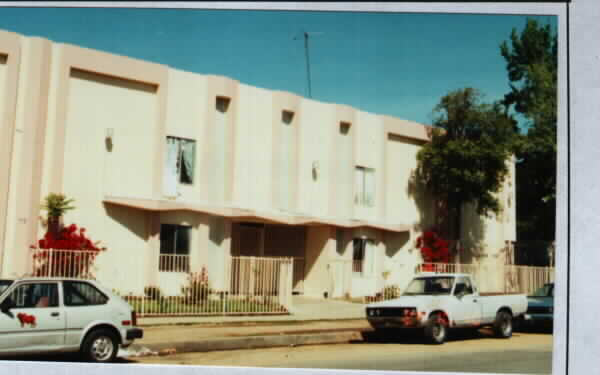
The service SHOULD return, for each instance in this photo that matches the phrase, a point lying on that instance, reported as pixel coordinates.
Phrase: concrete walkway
(313, 321)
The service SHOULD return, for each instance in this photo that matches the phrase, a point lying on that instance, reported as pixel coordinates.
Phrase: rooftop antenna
(306, 35)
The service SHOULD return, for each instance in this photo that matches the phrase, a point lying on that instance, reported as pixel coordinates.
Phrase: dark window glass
(35, 295)
(82, 294)
(174, 248)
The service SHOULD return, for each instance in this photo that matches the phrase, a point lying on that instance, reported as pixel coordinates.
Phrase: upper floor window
(364, 189)
(181, 155)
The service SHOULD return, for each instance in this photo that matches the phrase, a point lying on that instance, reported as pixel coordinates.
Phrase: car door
(35, 322)
(466, 304)
(84, 304)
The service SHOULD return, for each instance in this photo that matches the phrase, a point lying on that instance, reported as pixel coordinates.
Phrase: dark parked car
(540, 307)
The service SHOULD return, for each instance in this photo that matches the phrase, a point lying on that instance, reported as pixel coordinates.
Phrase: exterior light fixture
(315, 170)
(108, 139)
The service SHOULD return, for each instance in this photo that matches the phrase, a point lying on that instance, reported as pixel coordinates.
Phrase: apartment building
(169, 167)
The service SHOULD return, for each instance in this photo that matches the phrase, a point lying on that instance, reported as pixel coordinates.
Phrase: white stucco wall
(315, 138)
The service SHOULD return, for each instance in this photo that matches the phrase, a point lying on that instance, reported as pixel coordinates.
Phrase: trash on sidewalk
(136, 351)
(167, 351)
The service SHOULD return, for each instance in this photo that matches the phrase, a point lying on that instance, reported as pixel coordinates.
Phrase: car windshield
(430, 286)
(545, 291)
(4, 284)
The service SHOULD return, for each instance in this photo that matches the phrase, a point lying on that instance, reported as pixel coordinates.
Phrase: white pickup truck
(43, 315)
(438, 302)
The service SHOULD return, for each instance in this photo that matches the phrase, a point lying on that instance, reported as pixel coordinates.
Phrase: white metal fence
(502, 278)
(63, 263)
(251, 285)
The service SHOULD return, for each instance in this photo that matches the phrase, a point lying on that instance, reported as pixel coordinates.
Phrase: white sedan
(44, 315)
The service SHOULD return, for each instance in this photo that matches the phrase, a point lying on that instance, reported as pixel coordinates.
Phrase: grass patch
(179, 306)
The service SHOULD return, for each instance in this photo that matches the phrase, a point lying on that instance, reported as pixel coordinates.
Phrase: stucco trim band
(245, 214)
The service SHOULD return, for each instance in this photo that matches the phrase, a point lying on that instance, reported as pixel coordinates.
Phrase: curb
(251, 342)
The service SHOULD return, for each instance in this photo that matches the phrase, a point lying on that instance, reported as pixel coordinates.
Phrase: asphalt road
(466, 352)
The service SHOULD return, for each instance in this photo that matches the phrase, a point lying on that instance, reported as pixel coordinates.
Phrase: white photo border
(579, 86)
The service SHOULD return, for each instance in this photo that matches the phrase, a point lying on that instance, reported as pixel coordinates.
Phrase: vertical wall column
(342, 151)
(10, 54)
(285, 165)
(218, 143)
(153, 240)
(30, 127)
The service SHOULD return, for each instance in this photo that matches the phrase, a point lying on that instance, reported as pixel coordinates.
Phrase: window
(463, 286)
(82, 294)
(345, 128)
(4, 284)
(363, 256)
(222, 104)
(174, 248)
(364, 190)
(34, 295)
(287, 117)
(179, 163)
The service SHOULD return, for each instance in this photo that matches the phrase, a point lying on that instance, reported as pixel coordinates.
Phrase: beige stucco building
(212, 168)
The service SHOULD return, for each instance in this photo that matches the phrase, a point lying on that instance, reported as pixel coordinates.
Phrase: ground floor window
(363, 256)
(174, 248)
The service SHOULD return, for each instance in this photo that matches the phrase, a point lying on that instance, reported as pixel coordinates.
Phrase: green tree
(531, 63)
(466, 160)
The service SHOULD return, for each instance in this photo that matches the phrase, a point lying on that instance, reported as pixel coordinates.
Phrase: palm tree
(56, 205)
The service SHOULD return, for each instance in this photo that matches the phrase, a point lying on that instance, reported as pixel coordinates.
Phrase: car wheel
(436, 329)
(503, 325)
(100, 345)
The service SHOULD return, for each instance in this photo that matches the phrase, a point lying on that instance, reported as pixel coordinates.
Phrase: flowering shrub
(198, 287)
(433, 248)
(65, 263)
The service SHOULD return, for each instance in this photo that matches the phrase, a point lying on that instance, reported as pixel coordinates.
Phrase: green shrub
(198, 288)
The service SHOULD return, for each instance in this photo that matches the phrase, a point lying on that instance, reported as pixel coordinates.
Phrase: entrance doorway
(272, 241)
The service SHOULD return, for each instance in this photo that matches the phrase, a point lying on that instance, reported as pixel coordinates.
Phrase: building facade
(168, 166)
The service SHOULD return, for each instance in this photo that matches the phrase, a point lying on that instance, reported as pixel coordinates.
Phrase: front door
(36, 322)
(467, 307)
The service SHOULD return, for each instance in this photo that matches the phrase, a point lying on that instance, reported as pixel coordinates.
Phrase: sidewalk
(313, 321)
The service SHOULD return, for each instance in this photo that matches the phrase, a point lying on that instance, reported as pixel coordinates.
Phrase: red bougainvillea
(434, 249)
(72, 255)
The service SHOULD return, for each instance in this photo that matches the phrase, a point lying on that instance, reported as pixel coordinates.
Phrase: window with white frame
(363, 256)
(179, 163)
(174, 248)
(364, 188)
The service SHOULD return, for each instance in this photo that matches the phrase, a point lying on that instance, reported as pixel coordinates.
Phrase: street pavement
(465, 352)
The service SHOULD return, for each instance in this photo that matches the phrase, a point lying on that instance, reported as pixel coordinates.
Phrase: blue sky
(399, 64)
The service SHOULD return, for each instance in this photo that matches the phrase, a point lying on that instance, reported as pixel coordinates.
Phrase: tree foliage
(466, 160)
(531, 63)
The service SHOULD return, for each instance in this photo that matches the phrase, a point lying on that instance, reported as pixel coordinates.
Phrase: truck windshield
(430, 286)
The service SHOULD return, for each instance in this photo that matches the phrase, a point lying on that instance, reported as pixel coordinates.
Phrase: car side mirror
(6, 305)
(461, 294)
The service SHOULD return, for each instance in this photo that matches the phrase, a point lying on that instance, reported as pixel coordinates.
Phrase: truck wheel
(100, 345)
(503, 325)
(436, 329)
